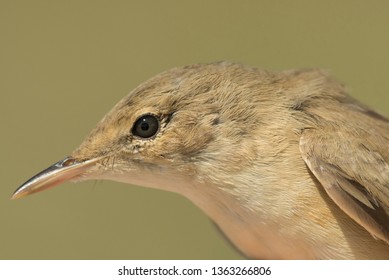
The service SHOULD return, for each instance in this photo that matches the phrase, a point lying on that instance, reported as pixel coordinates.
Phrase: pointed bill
(62, 171)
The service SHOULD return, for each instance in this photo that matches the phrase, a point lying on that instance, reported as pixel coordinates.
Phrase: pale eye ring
(146, 126)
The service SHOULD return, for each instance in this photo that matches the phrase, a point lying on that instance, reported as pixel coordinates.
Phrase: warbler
(287, 164)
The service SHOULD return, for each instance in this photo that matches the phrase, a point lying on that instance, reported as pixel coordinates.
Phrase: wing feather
(353, 173)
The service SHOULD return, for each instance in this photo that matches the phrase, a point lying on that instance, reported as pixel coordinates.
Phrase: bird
(287, 164)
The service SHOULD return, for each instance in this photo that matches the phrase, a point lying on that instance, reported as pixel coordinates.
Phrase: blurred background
(64, 64)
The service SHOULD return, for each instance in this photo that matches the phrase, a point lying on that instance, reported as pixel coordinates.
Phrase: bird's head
(186, 124)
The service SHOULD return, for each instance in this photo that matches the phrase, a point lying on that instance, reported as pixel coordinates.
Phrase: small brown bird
(286, 164)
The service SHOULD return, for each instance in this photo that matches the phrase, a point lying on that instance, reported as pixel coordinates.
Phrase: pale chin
(163, 180)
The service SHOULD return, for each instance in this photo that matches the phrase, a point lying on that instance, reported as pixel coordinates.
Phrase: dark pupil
(146, 126)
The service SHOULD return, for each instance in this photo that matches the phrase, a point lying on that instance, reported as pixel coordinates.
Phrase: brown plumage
(286, 164)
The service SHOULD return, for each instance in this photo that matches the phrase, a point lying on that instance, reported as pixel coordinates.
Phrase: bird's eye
(146, 126)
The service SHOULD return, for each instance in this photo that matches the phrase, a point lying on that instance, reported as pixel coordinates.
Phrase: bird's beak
(56, 174)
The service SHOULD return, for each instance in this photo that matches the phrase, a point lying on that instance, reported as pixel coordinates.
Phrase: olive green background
(64, 64)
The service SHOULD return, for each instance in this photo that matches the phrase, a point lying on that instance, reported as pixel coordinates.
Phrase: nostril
(67, 162)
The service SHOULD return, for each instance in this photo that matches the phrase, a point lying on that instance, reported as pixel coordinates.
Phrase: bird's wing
(353, 172)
